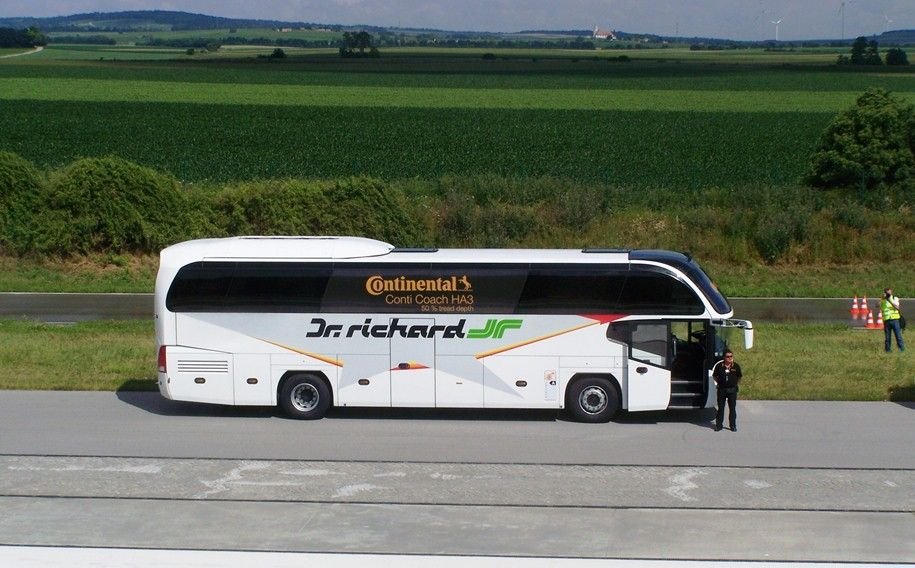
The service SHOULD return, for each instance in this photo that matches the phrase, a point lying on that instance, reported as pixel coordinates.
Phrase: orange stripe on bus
(330, 360)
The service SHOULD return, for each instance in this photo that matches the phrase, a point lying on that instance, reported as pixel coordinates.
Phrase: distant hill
(164, 20)
(576, 33)
(145, 20)
(897, 37)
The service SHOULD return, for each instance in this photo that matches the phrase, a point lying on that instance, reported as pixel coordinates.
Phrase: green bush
(867, 145)
(772, 238)
(564, 201)
(853, 215)
(354, 206)
(466, 223)
(896, 56)
(112, 205)
(776, 231)
(369, 207)
(274, 207)
(21, 196)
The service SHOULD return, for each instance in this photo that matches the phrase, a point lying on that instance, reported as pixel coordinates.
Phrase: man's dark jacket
(727, 382)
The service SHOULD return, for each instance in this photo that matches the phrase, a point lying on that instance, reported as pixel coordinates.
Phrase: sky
(726, 19)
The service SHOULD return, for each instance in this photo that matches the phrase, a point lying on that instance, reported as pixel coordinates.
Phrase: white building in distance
(603, 34)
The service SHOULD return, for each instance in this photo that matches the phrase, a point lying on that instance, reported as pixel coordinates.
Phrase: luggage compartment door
(413, 367)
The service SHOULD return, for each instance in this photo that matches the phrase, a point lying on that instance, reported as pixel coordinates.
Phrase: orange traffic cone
(879, 320)
(854, 306)
(870, 321)
(864, 310)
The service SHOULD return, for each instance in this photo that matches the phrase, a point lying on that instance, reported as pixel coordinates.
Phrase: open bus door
(695, 347)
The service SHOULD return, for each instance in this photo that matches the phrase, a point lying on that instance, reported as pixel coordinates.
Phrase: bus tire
(305, 397)
(593, 399)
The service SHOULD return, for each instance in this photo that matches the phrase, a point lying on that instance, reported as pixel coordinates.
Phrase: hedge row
(108, 204)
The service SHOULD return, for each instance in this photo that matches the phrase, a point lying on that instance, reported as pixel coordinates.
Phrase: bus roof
(276, 248)
(358, 248)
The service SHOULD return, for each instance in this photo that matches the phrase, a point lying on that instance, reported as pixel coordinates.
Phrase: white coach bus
(312, 322)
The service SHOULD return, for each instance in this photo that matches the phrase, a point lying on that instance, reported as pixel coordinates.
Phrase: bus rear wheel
(305, 397)
(593, 399)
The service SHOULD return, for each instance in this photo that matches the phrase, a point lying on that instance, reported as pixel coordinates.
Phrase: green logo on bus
(494, 329)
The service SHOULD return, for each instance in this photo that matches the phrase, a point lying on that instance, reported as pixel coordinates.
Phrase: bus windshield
(689, 267)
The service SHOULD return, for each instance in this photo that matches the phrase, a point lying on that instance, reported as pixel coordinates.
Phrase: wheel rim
(593, 400)
(305, 397)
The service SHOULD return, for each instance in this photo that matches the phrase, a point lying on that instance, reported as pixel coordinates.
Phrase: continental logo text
(378, 285)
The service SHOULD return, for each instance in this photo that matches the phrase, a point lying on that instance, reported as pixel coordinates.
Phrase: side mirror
(748, 336)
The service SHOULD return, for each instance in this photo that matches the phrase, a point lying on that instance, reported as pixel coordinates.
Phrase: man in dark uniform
(727, 378)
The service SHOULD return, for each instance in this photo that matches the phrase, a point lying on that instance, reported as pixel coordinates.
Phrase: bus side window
(648, 341)
(619, 332)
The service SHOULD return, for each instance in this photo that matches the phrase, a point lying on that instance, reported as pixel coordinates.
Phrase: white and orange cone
(870, 321)
(854, 306)
(879, 320)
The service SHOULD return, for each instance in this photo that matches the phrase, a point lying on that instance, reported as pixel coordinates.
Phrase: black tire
(305, 397)
(593, 399)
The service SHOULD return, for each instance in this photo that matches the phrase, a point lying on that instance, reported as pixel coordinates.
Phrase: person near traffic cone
(893, 321)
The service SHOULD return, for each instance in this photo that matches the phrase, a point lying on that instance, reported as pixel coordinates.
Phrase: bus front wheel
(593, 399)
(305, 397)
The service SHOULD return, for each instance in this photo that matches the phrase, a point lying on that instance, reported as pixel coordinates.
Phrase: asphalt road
(800, 481)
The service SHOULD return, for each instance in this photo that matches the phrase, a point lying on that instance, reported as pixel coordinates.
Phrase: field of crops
(695, 101)
(197, 142)
(678, 125)
(451, 68)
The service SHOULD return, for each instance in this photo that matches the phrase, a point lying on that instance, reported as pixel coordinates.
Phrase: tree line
(29, 37)
(867, 52)
(352, 43)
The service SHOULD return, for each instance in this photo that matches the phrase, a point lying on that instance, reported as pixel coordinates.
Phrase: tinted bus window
(691, 269)
(572, 290)
(651, 290)
(200, 287)
(429, 288)
(248, 287)
(277, 287)
(424, 288)
(648, 341)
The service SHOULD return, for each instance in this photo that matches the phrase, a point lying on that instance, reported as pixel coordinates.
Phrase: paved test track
(799, 481)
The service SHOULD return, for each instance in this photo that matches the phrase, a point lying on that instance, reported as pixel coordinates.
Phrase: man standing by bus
(727, 376)
(889, 305)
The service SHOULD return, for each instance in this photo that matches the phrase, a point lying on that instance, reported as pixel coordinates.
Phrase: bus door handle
(641, 370)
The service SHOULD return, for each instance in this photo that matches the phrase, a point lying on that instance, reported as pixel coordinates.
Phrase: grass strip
(824, 362)
(100, 355)
(789, 362)
(95, 90)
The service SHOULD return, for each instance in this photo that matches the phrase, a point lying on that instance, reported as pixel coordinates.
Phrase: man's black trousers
(731, 398)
